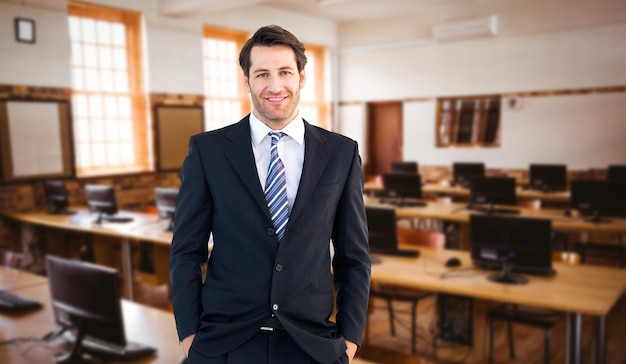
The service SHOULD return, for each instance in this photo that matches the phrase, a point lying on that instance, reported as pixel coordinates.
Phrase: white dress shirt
(290, 151)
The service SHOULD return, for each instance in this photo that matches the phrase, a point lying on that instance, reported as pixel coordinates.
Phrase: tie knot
(276, 135)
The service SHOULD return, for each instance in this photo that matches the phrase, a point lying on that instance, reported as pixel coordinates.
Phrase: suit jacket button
(279, 267)
(275, 307)
(271, 231)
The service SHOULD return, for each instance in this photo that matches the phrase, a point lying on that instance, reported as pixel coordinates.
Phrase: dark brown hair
(268, 36)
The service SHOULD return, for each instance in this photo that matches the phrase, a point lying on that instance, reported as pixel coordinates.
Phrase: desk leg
(599, 327)
(161, 255)
(106, 253)
(573, 338)
(127, 269)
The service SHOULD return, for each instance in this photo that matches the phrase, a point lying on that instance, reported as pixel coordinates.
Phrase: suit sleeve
(189, 250)
(351, 262)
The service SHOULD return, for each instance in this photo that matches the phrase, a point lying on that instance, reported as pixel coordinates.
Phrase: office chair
(529, 316)
(393, 292)
(10, 259)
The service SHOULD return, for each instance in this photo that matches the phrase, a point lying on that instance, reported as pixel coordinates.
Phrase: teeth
(275, 98)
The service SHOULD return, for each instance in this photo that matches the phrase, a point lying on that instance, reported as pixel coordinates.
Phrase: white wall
(44, 63)
(587, 129)
(172, 45)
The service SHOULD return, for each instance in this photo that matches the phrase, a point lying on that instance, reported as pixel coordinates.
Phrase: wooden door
(384, 136)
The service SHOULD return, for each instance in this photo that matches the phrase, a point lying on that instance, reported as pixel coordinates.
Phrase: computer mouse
(452, 262)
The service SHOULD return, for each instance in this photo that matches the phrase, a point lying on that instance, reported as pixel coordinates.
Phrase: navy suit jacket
(250, 275)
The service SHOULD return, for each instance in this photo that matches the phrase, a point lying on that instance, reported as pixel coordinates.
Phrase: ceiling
(339, 11)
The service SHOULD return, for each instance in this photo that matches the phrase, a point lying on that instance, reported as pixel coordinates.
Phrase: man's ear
(246, 83)
(302, 79)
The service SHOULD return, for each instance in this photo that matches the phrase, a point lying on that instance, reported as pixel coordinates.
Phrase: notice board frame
(61, 119)
(174, 125)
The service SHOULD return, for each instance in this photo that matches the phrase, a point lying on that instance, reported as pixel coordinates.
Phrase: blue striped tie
(276, 188)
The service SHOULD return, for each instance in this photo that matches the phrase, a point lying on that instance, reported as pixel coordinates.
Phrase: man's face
(274, 84)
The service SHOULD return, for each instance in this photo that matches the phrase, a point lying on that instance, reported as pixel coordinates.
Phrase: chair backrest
(424, 238)
(10, 259)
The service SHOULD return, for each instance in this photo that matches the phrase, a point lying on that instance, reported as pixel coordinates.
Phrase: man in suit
(269, 290)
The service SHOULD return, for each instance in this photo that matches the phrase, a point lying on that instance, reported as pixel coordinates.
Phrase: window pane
(119, 58)
(77, 54)
(105, 58)
(78, 79)
(119, 34)
(110, 107)
(75, 32)
(97, 130)
(88, 29)
(95, 106)
(104, 32)
(92, 80)
(91, 55)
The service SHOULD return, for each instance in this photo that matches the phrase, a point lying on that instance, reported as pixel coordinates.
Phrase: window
(226, 98)
(313, 105)
(468, 121)
(110, 125)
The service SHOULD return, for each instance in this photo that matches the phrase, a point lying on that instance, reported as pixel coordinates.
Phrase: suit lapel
(315, 159)
(239, 154)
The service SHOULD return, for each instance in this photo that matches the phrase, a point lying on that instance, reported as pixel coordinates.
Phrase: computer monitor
(547, 177)
(86, 303)
(493, 191)
(512, 244)
(166, 204)
(101, 199)
(598, 200)
(404, 167)
(616, 172)
(463, 172)
(382, 229)
(56, 196)
(400, 186)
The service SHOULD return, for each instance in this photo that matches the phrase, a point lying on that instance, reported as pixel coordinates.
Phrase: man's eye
(261, 75)
(285, 73)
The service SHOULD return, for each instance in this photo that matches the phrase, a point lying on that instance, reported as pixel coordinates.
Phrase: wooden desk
(143, 324)
(11, 279)
(576, 290)
(458, 212)
(561, 198)
(144, 227)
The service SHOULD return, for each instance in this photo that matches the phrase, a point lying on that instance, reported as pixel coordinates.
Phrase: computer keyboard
(117, 218)
(10, 302)
(132, 350)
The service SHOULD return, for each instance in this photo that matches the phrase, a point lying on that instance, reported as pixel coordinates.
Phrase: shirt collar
(258, 130)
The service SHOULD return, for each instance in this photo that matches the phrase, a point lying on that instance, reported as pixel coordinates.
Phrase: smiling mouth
(275, 99)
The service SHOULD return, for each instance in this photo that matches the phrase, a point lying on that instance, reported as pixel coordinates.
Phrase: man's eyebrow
(261, 70)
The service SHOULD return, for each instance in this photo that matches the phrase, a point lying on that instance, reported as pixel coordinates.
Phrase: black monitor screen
(463, 172)
(404, 167)
(524, 243)
(402, 185)
(492, 190)
(86, 299)
(166, 203)
(56, 195)
(546, 176)
(381, 224)
(616, 173)
(599, 198)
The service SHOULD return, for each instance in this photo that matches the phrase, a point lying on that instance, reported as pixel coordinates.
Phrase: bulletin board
(35, 140)
(174, 125)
